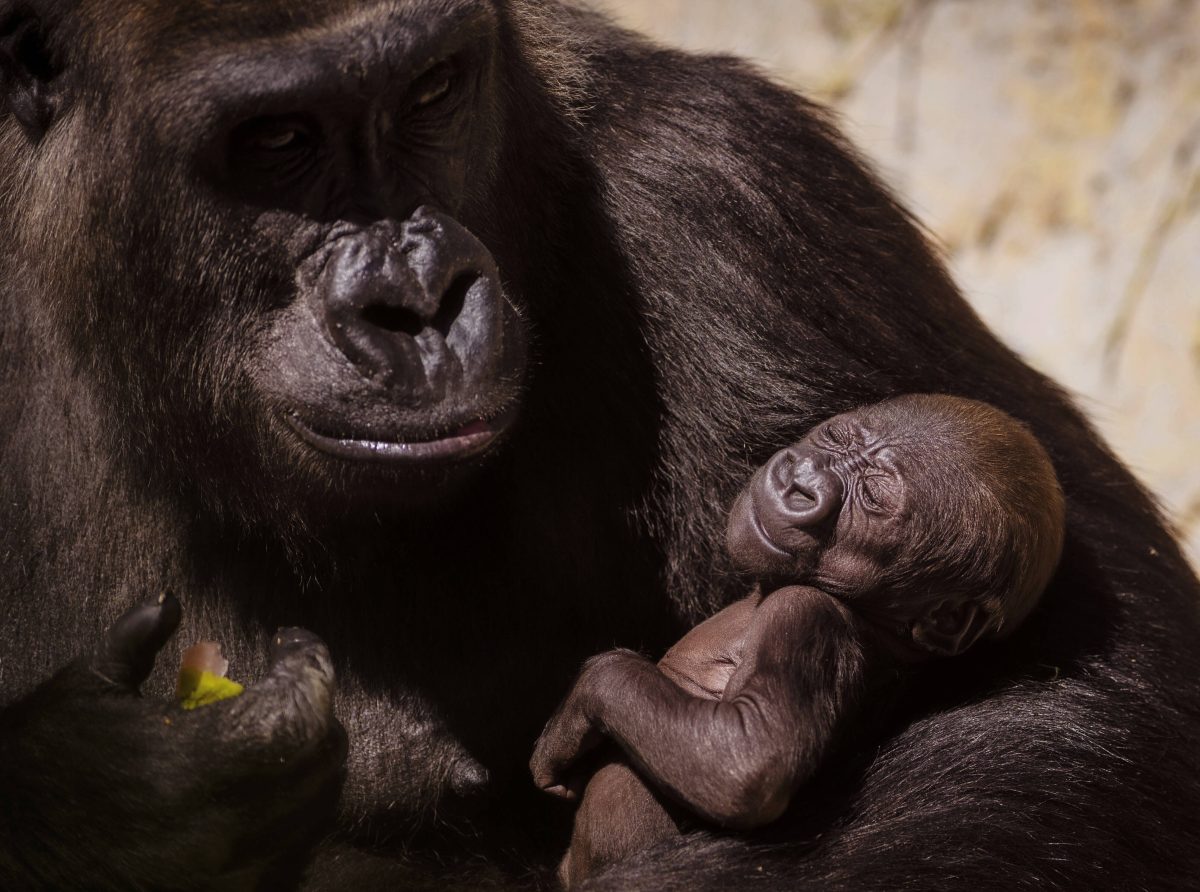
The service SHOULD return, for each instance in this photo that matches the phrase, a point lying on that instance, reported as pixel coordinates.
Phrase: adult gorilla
(447, 329)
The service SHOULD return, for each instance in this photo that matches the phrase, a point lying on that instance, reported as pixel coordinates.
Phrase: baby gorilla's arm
(737, 761)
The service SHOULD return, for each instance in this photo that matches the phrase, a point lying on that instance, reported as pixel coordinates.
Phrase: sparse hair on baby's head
(998, 519)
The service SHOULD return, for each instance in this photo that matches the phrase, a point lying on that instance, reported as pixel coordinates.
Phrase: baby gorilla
(888, 536)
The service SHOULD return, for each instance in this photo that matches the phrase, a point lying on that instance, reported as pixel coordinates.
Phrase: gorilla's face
(283, 238)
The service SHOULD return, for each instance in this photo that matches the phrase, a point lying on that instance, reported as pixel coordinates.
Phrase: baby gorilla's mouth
(458, 442)
(763, 535)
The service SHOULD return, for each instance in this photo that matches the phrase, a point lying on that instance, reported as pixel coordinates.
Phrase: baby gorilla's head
(938, 516)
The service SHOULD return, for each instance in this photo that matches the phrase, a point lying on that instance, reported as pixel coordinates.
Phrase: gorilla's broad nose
(810, 493)
(395, 296)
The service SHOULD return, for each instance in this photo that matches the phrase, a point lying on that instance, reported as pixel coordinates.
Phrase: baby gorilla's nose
(811, 492)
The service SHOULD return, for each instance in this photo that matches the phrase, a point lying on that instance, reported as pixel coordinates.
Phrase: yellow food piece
(198, 687)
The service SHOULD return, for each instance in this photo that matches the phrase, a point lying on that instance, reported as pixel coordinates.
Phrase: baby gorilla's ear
(951, 626)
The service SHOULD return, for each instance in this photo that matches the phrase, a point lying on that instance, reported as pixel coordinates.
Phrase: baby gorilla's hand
(229, 796)
(571, 732)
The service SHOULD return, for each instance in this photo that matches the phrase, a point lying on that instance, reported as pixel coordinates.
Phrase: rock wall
(1053, 147)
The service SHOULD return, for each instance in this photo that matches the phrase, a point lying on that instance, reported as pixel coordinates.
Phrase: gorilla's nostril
(801, 493)
(394, 319)
(415, 307)
(453, 301)
(812, 496)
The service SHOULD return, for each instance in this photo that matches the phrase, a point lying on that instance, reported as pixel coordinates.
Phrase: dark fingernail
(287, 640)
(165, 601)
(171, 609)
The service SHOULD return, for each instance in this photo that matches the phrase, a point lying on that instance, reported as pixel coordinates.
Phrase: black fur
(706, 270)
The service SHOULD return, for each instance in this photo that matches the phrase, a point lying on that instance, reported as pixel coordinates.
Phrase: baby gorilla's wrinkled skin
(888, 536)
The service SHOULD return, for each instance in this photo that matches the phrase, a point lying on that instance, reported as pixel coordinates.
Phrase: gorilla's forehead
(168, 27)
(190, 63)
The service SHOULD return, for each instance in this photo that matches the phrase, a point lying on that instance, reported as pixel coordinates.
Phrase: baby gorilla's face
(941, 516)
(829, 509)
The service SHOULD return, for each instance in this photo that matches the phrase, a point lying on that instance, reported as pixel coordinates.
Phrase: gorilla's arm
(97, 782)
(736, 761)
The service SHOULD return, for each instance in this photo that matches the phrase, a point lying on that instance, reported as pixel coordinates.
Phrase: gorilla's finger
(549, 769)
(566, 739)
(126, 655)
(289, 643)
(290, 711)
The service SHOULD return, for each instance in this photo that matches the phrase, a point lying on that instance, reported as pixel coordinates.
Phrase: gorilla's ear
(951, 626)
(26, 68)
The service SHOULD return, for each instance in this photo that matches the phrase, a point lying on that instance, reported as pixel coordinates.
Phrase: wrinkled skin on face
(828, 509)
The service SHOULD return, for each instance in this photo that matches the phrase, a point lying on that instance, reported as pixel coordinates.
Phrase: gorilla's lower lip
(467, 441)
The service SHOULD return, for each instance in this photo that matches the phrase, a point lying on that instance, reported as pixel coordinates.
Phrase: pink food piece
(205, 656)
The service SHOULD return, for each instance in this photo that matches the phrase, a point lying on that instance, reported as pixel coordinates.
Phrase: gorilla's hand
(572, 731)
(135, 793)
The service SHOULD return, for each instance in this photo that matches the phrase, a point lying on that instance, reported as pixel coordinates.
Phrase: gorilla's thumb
(126, 655)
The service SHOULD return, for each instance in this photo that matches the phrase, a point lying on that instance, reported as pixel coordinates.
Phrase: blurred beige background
(1053, 147)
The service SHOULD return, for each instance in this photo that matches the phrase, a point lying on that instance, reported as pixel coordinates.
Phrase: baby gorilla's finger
(555, 756)
(550, 776)
(289, 713)
(569, 792)
(126, 655)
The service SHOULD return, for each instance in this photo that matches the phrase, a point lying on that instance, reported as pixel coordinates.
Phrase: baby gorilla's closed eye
(877, 495)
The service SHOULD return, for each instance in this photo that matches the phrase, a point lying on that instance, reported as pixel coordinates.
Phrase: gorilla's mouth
(456, 443)
(765, 537)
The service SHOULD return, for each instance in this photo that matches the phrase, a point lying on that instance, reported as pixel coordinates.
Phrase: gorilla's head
(279, 212)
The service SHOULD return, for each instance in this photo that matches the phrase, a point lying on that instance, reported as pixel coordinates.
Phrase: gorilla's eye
(273, 142)
(876, 493)
(838, 435)
(433, 86)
